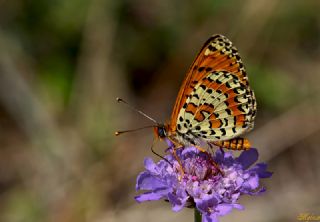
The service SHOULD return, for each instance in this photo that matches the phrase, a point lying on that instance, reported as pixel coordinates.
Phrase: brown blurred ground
(63, 63)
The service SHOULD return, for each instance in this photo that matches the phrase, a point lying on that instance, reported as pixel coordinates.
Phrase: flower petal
(151, 166)
(219, 156)
(206, 203)
(261, 170)
(170, 144)
(223, 209)
(146, 181)
(189, 151)
(238, 206)
(210, 218)
(178, 201)
(248, 157)
(148, 196)
(251, 183)
(225, 158)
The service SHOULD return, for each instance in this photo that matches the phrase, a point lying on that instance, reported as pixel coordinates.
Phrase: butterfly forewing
(215, 101)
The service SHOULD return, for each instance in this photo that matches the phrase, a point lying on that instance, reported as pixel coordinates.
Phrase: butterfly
(215, 104)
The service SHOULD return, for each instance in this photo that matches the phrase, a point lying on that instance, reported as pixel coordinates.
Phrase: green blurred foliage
(22, 206)
(274, 90)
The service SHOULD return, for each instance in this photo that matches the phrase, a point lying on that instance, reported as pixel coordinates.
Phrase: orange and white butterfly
(215, 104)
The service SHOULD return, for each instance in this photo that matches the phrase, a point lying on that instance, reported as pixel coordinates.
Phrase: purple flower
(199, 183)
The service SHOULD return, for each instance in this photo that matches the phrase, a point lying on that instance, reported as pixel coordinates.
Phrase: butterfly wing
(215, 101)
(218, 108)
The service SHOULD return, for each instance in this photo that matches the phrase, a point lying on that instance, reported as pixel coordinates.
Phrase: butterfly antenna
(155, 153)
(138, 111)
(117, 133)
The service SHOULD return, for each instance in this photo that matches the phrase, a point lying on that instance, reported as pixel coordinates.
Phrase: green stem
(197, 215)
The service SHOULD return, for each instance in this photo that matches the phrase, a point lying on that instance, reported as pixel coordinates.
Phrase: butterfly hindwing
(215, 102)
(217, 54)
(216, 111)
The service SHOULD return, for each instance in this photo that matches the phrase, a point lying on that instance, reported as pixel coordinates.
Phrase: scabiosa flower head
(201, 185)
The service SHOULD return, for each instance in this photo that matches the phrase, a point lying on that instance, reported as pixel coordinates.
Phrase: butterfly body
(215, 104)
(176, 137)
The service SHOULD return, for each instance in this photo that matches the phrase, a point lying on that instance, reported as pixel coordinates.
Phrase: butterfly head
(161, 131)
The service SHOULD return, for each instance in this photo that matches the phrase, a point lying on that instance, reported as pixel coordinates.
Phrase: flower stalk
(197, 215)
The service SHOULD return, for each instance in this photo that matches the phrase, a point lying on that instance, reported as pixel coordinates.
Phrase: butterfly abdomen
(234, 144)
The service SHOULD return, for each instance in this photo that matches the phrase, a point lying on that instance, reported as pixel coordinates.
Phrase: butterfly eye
(161, 132)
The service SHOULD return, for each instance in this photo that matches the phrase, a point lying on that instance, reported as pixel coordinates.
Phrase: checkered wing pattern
(215, 103)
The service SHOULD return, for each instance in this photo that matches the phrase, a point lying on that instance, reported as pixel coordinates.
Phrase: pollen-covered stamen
(199, 168)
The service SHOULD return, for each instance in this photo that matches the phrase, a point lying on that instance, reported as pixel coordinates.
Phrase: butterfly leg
(174, 153)
(216, 166)
(157, 154)
(211, 159)
(201, 149)
(221, 150)
(211, 146)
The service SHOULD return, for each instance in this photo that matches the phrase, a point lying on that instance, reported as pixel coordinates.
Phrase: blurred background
(63, 63)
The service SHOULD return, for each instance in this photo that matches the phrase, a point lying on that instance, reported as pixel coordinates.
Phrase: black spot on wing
(236, 99)
(240, 107)
(233, 129)
(194, 82)
(203, 87)
(196, 96)
(212, 48)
